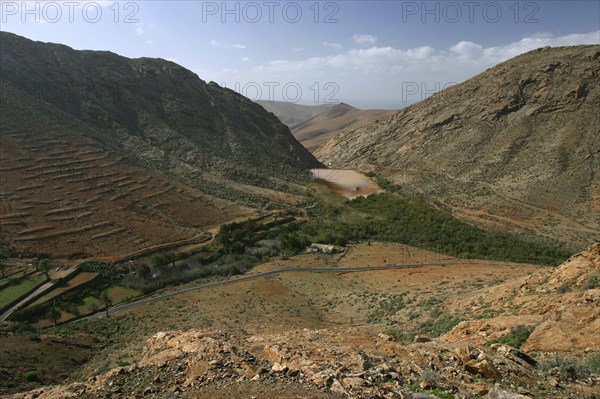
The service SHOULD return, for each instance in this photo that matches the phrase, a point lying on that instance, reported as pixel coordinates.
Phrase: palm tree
(54, 313)
(105, 299)
(45, 267)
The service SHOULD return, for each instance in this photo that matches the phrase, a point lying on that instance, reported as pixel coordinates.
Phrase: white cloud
(216, 43)
(333, 46)
(380, 73)
(298, 49)
(139, 30)
(364, 39)
(466, 49)
(149, 41)
(245, 59)
(426, 59)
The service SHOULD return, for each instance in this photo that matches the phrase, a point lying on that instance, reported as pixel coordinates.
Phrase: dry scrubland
(349, 335)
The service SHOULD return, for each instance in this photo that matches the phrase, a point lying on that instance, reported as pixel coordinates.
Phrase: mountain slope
(98, 149)
(342, 117)
(292, 114)
(516, 147)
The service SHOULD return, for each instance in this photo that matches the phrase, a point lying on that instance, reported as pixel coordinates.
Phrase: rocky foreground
(321, 363)
(560, 304)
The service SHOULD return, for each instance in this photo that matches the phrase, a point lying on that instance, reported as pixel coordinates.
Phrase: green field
(12, 277)
(11, 293)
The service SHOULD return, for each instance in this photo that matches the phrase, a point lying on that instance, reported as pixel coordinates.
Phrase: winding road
(293, 269)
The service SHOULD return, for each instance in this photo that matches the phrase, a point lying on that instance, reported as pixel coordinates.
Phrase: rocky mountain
(293, 114)
(140, 151)
(515, 147)
(561, 306)
(340, 118)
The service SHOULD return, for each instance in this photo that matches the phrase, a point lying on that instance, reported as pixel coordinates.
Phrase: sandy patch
(349, 183)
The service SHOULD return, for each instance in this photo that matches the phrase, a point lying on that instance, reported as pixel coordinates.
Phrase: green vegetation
(389, 306)
(10, 293)
(441, 394)
(6, 251)
(567, 287)
(394, 217)
(517, 336)
(12, 278)
(54, 313)
(72, 301)
(236, 249)
(439, 323)
(591, 283)
(400, 336)
(30, 376)
(106, 301)
(572, 369)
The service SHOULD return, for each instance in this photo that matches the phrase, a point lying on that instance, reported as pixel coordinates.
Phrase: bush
(592, 364)
(567, 369)
(400, 336)
(31, 376)
(590, 283)
(572, 369)
(517, 336)
(564, 288)
(439, 323)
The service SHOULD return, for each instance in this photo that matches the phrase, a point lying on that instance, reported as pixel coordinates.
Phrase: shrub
(400, 336)
(564, 288)
(590, 283)
(592, 364)
(567, 369)
(31, 376)
(517, 336)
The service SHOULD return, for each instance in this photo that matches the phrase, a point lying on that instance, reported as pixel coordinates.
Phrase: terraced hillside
(101, 155)
(64, 195)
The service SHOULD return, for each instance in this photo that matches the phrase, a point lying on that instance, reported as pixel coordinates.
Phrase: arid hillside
(515, 332)
(102, 155)
(516, 147)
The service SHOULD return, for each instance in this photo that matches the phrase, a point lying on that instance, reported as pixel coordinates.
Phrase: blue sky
(371, 54)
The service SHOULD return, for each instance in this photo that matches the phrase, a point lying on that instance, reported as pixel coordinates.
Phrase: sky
(370, 54)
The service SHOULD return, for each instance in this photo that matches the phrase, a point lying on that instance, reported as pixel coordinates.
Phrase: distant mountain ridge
(292, 114)
(516, 147)
(316, 131)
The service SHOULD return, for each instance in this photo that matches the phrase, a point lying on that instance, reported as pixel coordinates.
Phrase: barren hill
(516, 147)
(103, 154)
(293, 114)
(340, 118)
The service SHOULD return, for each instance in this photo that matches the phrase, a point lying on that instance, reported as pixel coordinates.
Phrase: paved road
(293, 269)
